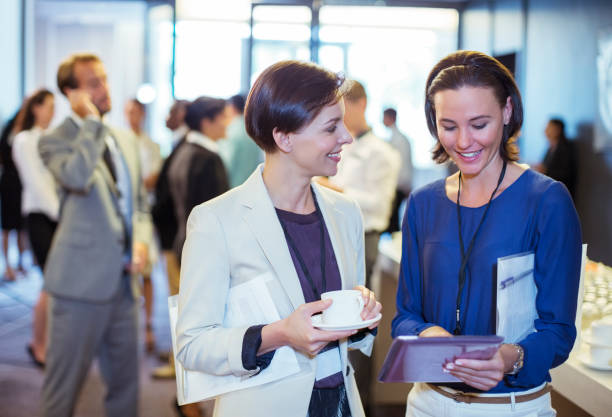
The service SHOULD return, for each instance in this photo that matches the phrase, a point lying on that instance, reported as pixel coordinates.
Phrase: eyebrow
(484, 116)
(334, 120)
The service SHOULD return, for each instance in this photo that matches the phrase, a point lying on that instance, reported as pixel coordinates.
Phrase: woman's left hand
(481, 374)
(371, 307)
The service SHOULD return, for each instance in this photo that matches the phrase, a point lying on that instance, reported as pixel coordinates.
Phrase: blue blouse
(535, 214)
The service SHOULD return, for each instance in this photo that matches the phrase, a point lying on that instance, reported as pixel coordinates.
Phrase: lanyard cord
(465, 256)
(298, 255)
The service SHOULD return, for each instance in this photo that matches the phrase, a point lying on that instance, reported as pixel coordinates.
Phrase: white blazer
(237, 237)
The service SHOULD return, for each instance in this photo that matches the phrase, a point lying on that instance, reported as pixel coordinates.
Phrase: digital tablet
(421, 359)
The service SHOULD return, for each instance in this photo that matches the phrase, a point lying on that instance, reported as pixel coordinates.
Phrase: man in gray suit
(96, 250)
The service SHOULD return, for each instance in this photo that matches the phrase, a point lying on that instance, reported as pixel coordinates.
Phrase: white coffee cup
(601, 331)
(345, 309)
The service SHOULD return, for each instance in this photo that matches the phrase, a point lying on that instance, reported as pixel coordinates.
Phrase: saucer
(584, 358)
(317, 322)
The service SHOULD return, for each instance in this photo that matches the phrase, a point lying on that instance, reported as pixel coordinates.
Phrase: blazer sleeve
(203, 343)
(72, 162)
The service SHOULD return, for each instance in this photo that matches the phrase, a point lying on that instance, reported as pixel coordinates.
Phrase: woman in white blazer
(280, 224)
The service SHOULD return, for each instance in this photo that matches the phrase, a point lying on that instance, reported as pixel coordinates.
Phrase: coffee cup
(345, 309)
(601, 331)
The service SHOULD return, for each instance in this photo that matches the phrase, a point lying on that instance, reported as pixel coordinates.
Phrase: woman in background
(455, 230)
(10, 201)
(305, 239)
(40, 202)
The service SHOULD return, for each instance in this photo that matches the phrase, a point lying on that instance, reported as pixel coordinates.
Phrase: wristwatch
(518, 364)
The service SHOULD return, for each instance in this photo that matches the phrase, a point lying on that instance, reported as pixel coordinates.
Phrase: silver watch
(518, 364)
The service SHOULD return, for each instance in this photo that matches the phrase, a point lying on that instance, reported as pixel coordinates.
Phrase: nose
(463, 139)
(346, 137)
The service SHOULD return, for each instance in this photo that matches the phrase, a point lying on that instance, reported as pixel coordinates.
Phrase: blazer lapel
(330, 214)
(261, 218)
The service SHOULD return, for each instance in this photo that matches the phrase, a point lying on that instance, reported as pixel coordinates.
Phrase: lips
(469, 156)
(335, 156)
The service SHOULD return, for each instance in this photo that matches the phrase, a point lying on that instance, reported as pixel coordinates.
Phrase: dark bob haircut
(287, 96)
(475, 69)
(203, 108)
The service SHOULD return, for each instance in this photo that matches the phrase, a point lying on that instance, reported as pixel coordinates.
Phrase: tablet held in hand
(422, 359)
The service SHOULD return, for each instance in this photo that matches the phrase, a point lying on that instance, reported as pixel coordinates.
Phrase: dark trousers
(362, 363)
(394, 220)
(40, 232)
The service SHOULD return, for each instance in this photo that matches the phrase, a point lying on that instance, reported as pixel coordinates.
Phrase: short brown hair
(287, 96)
(354, 91)
(475, 69)
(65, 72)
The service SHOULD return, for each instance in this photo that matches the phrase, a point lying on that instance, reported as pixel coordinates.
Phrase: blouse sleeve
(558, 257)
(409, 318)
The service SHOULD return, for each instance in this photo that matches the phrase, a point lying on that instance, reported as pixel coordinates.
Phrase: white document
(516, 295)
(248, 304)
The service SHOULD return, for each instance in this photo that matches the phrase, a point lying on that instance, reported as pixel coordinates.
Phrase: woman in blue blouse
(455, 229)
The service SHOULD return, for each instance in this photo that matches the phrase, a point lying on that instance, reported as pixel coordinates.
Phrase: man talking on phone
(97, 249)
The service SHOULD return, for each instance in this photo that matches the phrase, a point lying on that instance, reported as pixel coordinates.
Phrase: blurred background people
(150, 164)
(175, 121)
(404, 182)
(561, 159)
(98, 249)
(10, 201)
(165, 220)
(40, 202)
(197, 173)
(239, 152)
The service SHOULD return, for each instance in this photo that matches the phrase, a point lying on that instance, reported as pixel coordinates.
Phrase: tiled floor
(21, 381)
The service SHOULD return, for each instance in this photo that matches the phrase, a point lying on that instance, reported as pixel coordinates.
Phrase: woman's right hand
(297, 331)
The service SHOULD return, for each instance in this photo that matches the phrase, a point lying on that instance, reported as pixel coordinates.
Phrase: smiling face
(470, 125)
(316, 147)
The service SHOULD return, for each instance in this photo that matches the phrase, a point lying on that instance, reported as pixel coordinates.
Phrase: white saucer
(585, 359)
(316, 322)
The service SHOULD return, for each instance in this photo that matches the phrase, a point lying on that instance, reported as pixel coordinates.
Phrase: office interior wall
(112, 30)
(10, 70)
(558, 78)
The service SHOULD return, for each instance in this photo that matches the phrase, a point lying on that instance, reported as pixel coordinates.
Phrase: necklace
(466, 255)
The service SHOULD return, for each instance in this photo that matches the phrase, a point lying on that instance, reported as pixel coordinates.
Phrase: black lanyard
(298, 255)
(465, 256)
